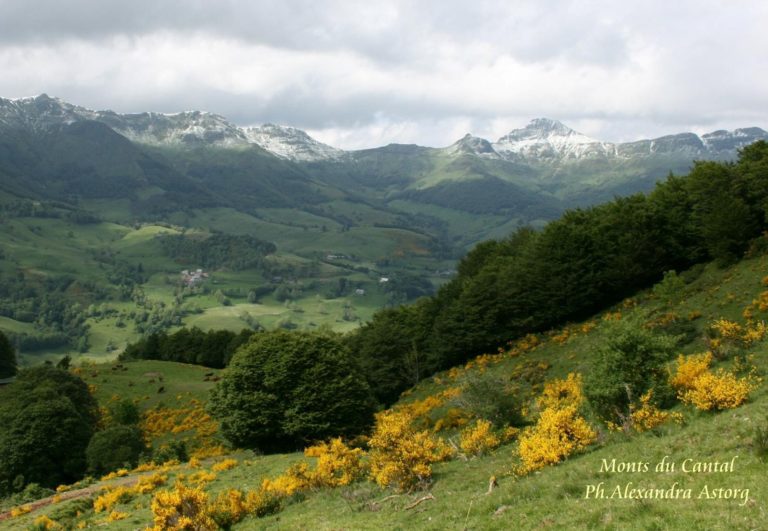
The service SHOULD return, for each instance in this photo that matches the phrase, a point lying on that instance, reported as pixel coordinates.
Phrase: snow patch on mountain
(291, 143)
(543, 138)
(184, 129)
(472, 145)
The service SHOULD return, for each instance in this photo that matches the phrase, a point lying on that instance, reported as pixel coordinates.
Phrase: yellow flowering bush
(557, 434)
(562, 337)
(718, 390)
(454, 418)
(147, 484)
(116, 474)
(400, 455)
(226, 464)
(420, 410)
(479, 438)
(296, 479)
(689, 368)
(191, 424)
(46, 523)
(20, 511)
(521, 346)
(724, 333)
(230, 507)
(182, 509)
(337, 464)
(648, 416)
(117, 515)
(697, 385)
(559, 392)
(113, 496)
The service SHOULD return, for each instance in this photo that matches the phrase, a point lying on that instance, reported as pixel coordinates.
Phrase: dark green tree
(113, 448)
(632, 362)
(7, 357)
(124, 412)
(285, 389)
(48, 417)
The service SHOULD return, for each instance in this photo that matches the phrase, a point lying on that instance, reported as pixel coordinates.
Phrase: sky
(358, 74)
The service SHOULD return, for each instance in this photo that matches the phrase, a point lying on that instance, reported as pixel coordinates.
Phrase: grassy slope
(555, 496)
(53, 247)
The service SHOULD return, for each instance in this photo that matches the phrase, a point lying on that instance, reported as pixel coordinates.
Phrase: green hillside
(552, 497)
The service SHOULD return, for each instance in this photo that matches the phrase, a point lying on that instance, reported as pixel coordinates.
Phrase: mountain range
(161, 164)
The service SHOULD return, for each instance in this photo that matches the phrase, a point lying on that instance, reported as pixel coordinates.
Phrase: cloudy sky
(361, 74)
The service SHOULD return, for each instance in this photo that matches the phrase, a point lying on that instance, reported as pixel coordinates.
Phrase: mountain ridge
(542, 140)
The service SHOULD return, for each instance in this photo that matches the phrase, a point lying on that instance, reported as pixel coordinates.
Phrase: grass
(48, 248)
(555, 497)
(142, 381)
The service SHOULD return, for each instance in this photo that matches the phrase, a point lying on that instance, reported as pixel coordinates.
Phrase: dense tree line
(217, 251)
(189, 345)
(577, 265)
(47, 304)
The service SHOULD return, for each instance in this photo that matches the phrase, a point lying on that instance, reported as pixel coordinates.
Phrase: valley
(87, 198)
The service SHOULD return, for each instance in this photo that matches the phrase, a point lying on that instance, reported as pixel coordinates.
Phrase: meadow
(560, 496)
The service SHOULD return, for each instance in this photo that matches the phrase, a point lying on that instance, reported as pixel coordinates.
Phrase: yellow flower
(560, 392)
(479, 438)
(226, 464)
(400, 455)
(557, 434)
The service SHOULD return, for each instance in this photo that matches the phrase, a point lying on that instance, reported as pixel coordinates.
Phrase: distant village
(192, 278)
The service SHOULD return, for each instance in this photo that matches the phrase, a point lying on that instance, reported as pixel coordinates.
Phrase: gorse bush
(699, 386)
(478, 438)
(337, 464)
(558, 433)
(182, 509)
(401, 456)
(646, 416)
(558, 393)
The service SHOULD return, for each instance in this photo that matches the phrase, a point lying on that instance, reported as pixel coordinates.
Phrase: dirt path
(75, 494)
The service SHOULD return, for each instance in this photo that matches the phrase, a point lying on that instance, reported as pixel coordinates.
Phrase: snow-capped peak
(544, 138)
(472, 145)
(188, 128)
(290, 143)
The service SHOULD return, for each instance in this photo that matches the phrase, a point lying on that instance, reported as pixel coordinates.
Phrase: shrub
(557, 434)
(718, 390)
(125, 412)
(183, 508)
(479, 438)
(486, 397)
(689, 368)
(632, 362)
(706, 390)
(648, 416)
(558, 393)
(113, 448)
(401, 456)
(172, 451)
(337, 464)
(284, 389)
